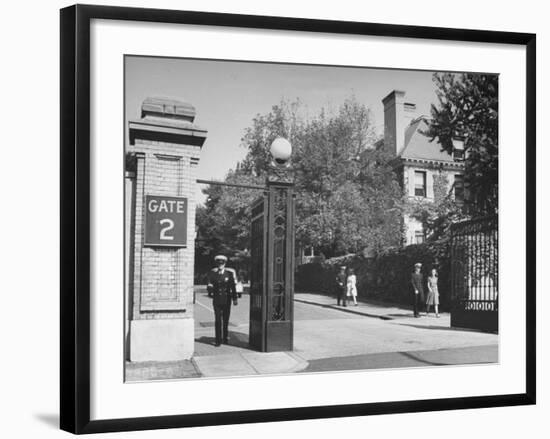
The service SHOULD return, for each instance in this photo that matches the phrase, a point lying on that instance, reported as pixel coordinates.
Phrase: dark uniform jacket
(340, 281)
(418, 284)
(222, 287)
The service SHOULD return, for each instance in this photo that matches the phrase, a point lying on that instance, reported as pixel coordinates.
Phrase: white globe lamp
(281, 149)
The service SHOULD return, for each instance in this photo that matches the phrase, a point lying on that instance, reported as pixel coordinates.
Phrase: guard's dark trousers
(221, 313)
(341, 297)
(418, 301)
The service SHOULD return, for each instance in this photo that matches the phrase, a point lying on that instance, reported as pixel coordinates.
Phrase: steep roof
(418, 145)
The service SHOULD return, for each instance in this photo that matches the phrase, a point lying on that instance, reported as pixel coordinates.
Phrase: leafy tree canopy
(348, 198)
(467, 109)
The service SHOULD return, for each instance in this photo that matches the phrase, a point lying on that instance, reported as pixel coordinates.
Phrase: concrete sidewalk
(226, 365)
(250, 363)
(375, 309)
(228, 360)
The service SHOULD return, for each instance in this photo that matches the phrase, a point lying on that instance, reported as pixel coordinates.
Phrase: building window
(459, 188)
(419, 237)
(458, 150)
(420, 183)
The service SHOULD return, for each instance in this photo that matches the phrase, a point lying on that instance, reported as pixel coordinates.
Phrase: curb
(196, 366)
(344, 309)
(302, 363)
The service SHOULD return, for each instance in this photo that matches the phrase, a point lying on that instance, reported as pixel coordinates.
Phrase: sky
(227, 95)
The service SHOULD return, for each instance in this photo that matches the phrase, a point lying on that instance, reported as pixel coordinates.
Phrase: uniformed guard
(341, 286)
(417, 283)
(221, 285)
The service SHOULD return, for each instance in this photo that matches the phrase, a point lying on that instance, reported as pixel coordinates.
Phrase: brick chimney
(409, 113)
(398, 115)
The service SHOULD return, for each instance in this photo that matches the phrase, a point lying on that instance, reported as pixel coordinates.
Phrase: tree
(284, 120)
(330, 209)
(468, 109)
(348, 198)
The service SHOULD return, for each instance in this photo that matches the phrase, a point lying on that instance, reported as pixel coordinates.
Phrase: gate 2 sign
(165, 221)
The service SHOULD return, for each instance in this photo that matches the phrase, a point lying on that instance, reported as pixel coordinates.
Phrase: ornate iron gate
(271, 326)
(272, 270)
(474, 274)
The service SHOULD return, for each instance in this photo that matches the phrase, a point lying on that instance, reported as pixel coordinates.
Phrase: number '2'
(166, 229)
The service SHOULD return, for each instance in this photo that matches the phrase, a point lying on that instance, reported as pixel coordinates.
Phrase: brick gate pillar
(162, 156)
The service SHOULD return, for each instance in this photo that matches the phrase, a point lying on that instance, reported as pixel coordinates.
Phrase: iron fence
(474, 273)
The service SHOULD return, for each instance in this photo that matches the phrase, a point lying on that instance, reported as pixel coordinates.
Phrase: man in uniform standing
(341, 286)
(417, 282)
(221, 285)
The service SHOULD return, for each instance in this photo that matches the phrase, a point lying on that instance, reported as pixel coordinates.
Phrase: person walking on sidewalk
(341, 286)
(433, 293)
(352, 286)
(221, 284)
(417, 283)
(239, 286)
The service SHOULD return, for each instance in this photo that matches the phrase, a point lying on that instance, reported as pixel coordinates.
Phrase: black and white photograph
(275, 219)
(288, 218)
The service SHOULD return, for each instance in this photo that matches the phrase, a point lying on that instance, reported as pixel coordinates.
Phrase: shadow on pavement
(206, 340)
(437, 327)
(421, 360)
(236, 339)
(212, 324)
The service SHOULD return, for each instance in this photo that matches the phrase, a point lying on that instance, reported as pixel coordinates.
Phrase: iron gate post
(280, 266)
(272, 270)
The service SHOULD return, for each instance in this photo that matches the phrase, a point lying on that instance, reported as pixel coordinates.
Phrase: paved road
(329, 339)
(385, 360)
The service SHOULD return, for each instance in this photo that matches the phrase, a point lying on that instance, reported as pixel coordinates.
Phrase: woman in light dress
(433, 293)
(352, 285)
(239, 285)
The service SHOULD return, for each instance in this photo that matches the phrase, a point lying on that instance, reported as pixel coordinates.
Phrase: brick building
(422, 165)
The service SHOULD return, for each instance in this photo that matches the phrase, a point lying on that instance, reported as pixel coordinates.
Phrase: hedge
(382, 278)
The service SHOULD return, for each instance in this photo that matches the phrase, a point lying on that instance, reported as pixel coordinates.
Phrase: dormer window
(458, 150)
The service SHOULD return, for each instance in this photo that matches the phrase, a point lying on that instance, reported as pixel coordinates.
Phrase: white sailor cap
(418, 264)
(221, 258)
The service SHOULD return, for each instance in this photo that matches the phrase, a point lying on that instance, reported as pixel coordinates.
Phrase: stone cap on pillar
(166, 107)
(168, 120)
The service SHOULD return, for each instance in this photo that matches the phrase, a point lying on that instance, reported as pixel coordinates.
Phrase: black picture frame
(75, 217)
